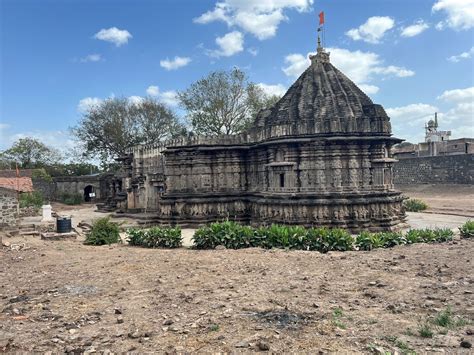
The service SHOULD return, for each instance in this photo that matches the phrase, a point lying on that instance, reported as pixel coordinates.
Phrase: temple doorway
(89, 193)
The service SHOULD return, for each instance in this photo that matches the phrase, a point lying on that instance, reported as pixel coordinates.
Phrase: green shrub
(315, 239)
(368, 241)
(444, 318)
(70, 198)
(414, 236)
(136, 237)
(467, 229)
(229, 234)
(429, 235)
(391, 239)
(337, 240)
(29, 199)
(414, 205)
(447, 319)
(103, 231)
(443, 235)
(235, 236)
(155, 237)
(284, 237)
(425, 331)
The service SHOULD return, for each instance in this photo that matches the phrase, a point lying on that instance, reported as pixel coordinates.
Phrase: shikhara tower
(319, 157)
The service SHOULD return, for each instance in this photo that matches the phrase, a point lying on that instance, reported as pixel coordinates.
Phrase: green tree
(258, 100)
(110, 128)
(223, 102)
(73, 169)
(30, 153)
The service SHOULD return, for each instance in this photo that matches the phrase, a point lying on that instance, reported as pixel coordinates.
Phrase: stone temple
(319, 157)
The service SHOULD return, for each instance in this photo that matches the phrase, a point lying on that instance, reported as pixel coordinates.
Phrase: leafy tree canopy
(30, 153)
(110, 128)
(223, 102)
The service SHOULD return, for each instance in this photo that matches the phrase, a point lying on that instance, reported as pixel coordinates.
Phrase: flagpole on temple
(321, 28)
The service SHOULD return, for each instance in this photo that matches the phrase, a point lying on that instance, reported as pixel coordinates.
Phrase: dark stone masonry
(8, 208)
(320, 156)
(452, 169)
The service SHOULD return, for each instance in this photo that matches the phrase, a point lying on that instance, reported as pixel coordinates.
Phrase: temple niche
(319, 157)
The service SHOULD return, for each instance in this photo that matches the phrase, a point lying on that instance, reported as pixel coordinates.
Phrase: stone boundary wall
(453, 169)
(8, 208)
(47, 188)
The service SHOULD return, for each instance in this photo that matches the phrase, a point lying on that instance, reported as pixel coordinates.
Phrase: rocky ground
(58, 296)
(65, 296)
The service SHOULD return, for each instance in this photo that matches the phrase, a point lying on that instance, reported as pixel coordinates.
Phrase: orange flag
(321, 18)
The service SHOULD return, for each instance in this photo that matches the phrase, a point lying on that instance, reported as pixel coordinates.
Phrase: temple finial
(321, 55)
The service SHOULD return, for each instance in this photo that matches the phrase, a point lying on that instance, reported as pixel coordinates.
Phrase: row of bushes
(235, 236)
(35, 199)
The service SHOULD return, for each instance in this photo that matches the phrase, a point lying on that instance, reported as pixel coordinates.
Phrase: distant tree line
(223, 102)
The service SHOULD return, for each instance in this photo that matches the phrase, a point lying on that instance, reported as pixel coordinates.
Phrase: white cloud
(412, 115)
(88, 103)
(460, 14)
(458, 117)
(114, 35)
(252, 51)
(415, 29)
(153, 90)
(458, 95)
(262, 25)
(463, 55)
(408, 121)
(372, 30)
(169, 98)
(91, 58)
(175, 63)
(369, 89)
(360, 67)
(229, 44)
(461, 116)
(278, 89)
(260, 18)
(297, 63)
(397, 71)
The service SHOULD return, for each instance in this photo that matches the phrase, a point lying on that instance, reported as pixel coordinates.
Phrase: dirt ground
(58, 296)
(444, 199)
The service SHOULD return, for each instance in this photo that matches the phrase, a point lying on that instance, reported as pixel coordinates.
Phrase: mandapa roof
(323, 94)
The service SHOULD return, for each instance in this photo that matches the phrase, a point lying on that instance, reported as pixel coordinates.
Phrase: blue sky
(414, 57)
